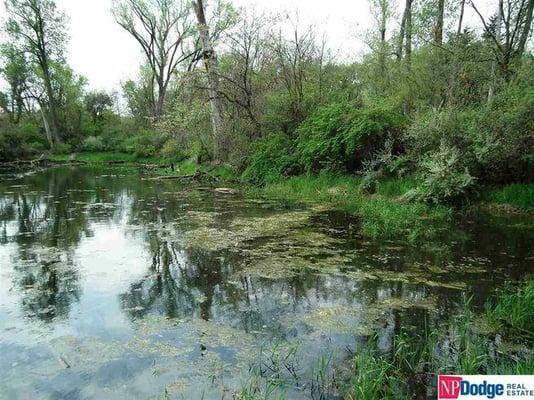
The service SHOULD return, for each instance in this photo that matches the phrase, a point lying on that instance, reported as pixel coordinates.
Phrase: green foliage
(145, 144)
(382, 216)
(517, 195)
(461, 347)
(341, 136)
(508, 124)
(270, 160)
(514, 308)
(21, 141)
(444, 178)
(173, 150)
(93, 144)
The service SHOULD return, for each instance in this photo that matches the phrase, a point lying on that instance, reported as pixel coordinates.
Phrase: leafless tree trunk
(438, 29)
(210, 63)
(400, 39)
(526, 29)
(49, 135)
(408, 33)
(461, 18)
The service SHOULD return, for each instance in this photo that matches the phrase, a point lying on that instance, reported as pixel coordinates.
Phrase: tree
(248, 56)
(210, 64)
(37, 29)
(438, 28)
(382, 11)
(508, 31)
(97, 104)
(15, 72)
(163, 29)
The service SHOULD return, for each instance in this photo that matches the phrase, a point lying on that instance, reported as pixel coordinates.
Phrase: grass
(384, 214)
(222, 172)
(514, 309)
(520, 196)
(106, 157)
(463, 345)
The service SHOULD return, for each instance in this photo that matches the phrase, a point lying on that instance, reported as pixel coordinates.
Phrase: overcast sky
(105, 54)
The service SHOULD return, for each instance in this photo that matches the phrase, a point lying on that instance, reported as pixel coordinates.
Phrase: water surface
(114, 285)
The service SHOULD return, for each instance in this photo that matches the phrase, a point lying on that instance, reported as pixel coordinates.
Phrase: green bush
(93, 144)
(341, 136)
(445, 179)
(508, 124)
(174, 151)
(145, 144)
(21, 141)
(271, 158)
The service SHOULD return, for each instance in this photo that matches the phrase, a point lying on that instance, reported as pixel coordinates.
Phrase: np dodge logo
(485, 387)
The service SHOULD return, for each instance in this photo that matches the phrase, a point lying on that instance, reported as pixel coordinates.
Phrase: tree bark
(438, 29)
(210, 63)
(526, 30)
(408, 33)
(400, 39)
(461, 18)
(48, 132)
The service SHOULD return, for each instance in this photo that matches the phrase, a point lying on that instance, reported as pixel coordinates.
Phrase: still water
(114, 285)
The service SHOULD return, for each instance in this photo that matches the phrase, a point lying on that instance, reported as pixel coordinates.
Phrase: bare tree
(163, 28)
(509, 31)
(438, 28)
(408, 33)
(249, 55)
(382, 11)
(461, 17)
(210, 63)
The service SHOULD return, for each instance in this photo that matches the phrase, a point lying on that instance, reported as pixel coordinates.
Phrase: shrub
(62, 148)
(509, 126)
(445, 179)
(174, 151)
(271, 158)
(340, 136)
(20, 141)
(92, 144)
(145, 144)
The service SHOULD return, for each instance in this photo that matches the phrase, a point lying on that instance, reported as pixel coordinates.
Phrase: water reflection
(146, 271)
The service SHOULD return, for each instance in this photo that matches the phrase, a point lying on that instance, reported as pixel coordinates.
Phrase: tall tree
(461, 17)
(438, 28)
(37, 28)
(14, 71)
(210, 63)
(508, 31)
(163, 29)
(382, 12)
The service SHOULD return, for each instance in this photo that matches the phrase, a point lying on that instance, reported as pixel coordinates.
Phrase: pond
(114, 285)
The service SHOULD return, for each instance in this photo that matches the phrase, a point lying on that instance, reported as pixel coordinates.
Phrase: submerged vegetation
(470, 343)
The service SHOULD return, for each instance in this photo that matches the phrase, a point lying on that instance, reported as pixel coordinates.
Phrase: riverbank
(496, 341)
(384, 214)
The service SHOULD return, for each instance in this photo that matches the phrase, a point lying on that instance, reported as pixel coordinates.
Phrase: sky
(106, 55)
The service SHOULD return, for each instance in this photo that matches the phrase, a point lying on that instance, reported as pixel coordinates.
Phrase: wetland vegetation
(258, 215)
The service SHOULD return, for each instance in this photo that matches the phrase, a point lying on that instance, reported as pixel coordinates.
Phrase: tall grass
(514, 308)
(383, 215)
(520, 196)
(462, 347)
(408, 369)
